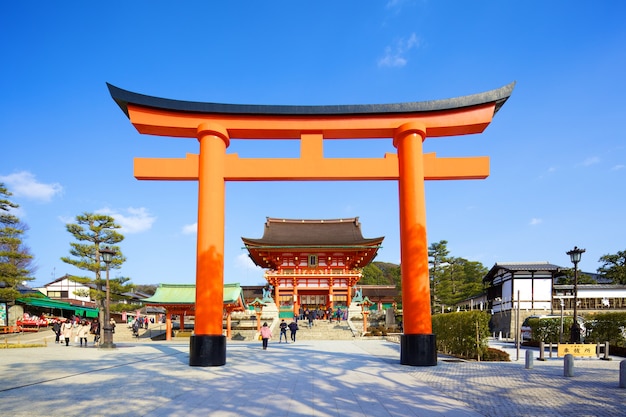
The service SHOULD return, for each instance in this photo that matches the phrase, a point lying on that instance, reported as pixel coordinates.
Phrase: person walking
(266, 335)
(56, 328)
(95, 331)
(293, 328)
(283, 332)
(136, 328)
(66, 330)
(83, 331)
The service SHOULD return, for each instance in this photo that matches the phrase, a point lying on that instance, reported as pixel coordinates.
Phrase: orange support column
(168, 325)
(228, 324)
(296, 302)
(417, 344)
(331, 293)
(208, 344)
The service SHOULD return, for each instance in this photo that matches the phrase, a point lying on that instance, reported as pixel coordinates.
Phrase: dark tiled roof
(520, 266)
(307, 233)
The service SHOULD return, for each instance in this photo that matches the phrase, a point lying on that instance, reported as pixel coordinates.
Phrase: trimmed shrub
(496, 355)
(607, 327)
(463, 334)
(547, 329)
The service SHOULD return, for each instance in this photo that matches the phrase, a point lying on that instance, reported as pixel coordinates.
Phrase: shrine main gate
(407, 124)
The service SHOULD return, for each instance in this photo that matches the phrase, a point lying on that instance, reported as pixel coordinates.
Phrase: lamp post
(561, 328)
(107, 257)
(258, 309)
(575, 255)
(365, 306)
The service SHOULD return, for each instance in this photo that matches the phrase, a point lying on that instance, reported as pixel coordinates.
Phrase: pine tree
(97, 230)
(438, 259)
(614, 267)
(16, 261)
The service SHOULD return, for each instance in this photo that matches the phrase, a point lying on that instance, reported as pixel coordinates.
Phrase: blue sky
(557, 149)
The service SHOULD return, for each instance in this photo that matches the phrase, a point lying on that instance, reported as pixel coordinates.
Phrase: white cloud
(134, 220)
(591, 161)
(535, 221)
(395, 55)
(66, 220)
(190, 229)
(618, 167)
(24, 184)
(393, 3)
(244, 262)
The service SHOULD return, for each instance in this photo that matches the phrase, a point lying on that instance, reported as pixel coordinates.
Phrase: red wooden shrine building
(312, 263)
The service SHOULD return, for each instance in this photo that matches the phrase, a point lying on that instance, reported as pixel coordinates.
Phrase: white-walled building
(526, 283)
(532, 286)
(67, 289)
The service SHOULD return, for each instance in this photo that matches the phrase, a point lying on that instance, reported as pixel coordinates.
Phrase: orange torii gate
(214, 125)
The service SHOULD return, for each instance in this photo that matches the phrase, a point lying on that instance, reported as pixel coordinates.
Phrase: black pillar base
(207, 350)
(107, 342)
(418, 350)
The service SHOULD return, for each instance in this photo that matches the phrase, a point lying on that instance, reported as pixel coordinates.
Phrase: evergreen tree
(438, 260)
(16, 261)
(614, 267)
(96, 231)
(567, 278)
(460, 279)
(372, 275)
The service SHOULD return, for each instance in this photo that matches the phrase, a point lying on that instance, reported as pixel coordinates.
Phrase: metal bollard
(622, 374)
(568, 365)
(529, 359)
(606, 352)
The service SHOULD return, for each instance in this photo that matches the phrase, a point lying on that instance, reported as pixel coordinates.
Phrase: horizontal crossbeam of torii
(407, 124)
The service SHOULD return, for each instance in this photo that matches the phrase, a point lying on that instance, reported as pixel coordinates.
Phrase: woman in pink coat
(266, 334)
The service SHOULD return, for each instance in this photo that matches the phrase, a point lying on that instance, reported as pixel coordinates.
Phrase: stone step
(321, 330)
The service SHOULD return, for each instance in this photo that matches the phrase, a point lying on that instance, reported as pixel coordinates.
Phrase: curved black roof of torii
(123, 98)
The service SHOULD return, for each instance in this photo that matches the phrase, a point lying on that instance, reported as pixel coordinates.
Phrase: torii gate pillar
(207, 346)
(417, 342)
(408, 124)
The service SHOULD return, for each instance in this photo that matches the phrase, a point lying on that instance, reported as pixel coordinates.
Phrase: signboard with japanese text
(576, 349)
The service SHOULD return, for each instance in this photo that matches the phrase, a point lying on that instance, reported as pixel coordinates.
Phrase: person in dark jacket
(95, 331)
(283, 332)
(56, 328)
(293, 328)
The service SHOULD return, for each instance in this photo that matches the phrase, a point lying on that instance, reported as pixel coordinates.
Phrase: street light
(107, 257)
(561, 328)
(258, 308)
(574, 256)
(365, 306)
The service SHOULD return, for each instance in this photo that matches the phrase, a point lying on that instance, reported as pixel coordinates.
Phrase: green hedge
(607, 327)
(547, 329)
(600, 328)
(456, 333)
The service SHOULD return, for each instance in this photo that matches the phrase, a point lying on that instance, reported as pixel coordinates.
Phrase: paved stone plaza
(308, 378)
